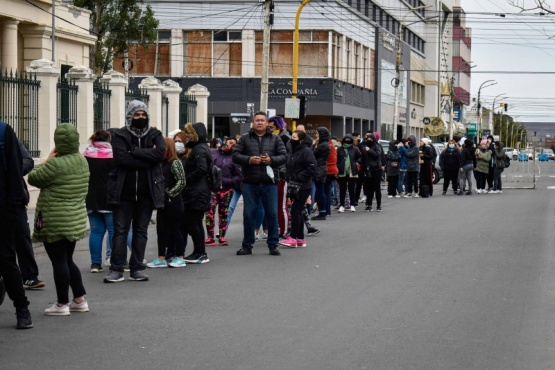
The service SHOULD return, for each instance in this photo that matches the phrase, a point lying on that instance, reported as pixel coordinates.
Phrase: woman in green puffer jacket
(61, 215)
(483, 156)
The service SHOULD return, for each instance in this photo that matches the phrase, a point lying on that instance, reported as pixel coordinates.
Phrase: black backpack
(215, 178)
(507, 161)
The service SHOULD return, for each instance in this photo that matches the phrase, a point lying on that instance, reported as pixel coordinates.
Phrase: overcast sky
(514, 43)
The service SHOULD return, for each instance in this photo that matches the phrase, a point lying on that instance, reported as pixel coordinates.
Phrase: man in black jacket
(135, 187)
(12, 202)
(260, 153)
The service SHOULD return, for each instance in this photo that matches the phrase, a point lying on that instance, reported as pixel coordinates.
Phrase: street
(449, 282)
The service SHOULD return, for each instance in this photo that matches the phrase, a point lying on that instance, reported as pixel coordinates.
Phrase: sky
(517, 51)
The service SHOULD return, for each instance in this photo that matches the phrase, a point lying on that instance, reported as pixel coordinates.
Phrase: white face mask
(179, 146)
(451, 146)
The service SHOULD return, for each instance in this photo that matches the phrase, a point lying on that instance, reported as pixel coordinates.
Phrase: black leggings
(66, 272)
(372, 185)
(168, 229)
(193, 222)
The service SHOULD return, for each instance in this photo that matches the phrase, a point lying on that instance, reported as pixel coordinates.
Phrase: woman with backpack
(499, 162)
(393, 169)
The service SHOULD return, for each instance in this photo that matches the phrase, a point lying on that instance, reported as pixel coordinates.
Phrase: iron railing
(19, 107)
(102, 94)
(187, 109)
(136, 94)
(66, 109)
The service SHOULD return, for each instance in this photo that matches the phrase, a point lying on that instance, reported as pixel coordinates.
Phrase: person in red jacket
(331, 177)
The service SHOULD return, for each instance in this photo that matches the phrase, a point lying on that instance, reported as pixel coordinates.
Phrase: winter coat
(372, 157)
(249, 145)
(100, 159)
(413, 154)
(174, 181)
(138, 160)
(301, 164)
(404, 160)
(427, 154)
(231, 172)
(322, 153)
(499, 157)
(482, 164)
(468, 156)
(450, 159)
(332, 161)
(393, 160)
(354, 155)
(63, 182)
(12, 188)
(197, 193)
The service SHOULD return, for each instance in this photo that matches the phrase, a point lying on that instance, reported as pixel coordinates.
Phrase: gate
(136, 94)
(66, 109)
(101, 105)
(187, 109)
(19, 107)
(522, 173)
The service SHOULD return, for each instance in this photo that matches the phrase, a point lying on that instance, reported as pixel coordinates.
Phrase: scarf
(99, 149)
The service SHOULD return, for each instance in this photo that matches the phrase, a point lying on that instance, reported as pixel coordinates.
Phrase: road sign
(292, 108)
(426, 120)
(471, 126)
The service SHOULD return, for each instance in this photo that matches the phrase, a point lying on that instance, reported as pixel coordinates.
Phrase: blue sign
(457, 114)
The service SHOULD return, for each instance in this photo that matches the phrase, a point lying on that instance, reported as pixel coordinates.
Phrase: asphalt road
(449, 282)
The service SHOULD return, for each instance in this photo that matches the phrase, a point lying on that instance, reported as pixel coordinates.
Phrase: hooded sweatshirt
(499, 156)
(322, 153)
(412, 155)
(63, 182)
(197, 194)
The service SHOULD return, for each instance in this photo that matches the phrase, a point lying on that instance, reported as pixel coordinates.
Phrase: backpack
(507, 161)
(215, 178)
(434, 154)
(3, 144)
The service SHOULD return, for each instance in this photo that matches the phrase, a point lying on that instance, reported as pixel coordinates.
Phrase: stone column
(37, 43)
(118, 84)
(9, 45)
(176, 51)
(201, 94)
(84, 79)
(154, 88)
(172, 91)
(48, 75)
(248, 53)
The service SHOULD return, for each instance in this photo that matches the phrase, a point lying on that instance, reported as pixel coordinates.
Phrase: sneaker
(379, 209)
(78, 307)
(33, 284)
(409, 195)
(56, 310)
(95, 267)
(177, 262)
(416, 195)
(261, 237)
(312, 231)
(197, 258)
(341, 209)
(368, 209)
(397, 196)
(499, 191)
(274, 252)
(114, 277)
(157, 262)
(138, 275)
(126, 267)
(244, 251)
(107, 262)
(209, 242)
(353, 209)
(23, 318)
(468, 193)
(354, 204)
(288, 242)
(222, 241)
(320, 217)
(301, 243)
(390, 196)
(362, 199)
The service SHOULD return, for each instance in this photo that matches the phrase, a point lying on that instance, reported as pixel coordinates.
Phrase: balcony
(459, 34)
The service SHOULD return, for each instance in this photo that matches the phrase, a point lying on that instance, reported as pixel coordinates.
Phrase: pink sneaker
(289, 242)
(301, 243)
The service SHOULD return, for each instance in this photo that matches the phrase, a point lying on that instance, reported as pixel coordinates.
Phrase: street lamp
(296, 55)
(493, 115)
(397, 81)
(493, 82)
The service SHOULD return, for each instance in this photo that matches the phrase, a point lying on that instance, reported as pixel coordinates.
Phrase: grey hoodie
(413, 154)
(132, 108)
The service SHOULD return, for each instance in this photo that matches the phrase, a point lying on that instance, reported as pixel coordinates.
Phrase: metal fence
(19, 107)
(101, 105)
(66, 109)
(136, 94)
(187, 109)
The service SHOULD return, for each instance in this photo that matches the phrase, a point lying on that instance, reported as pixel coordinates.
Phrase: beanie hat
(484, 141)
(377, 135)
(426, 140)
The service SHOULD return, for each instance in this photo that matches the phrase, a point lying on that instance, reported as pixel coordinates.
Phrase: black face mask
(370, 142)
(295, 143)
(139, 123)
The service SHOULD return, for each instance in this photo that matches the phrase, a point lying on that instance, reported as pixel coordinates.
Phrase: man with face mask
(135, 187)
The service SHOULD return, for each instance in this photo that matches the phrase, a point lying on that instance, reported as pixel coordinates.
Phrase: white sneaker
(107, 262)
(416, 195)
(390, 196)
(499, 191)
(362, 199)
(56, 310)
(478, 191)
(353, 209)
(341, 209)
(397, 196)
(78, 307)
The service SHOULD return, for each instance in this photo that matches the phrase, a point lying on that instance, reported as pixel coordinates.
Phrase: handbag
(293, 188)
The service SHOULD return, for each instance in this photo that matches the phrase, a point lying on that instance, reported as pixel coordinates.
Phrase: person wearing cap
(426, 157)
(135, 188)
(483, 157)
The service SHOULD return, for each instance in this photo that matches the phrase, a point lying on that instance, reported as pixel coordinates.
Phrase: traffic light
(506, 106)
(302, 106)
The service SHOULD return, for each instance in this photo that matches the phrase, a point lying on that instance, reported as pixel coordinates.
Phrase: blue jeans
(329, 187)
(253, 196)
(234, 200)
(321, 198)
(401, 182)
(260, 219)
(100, 223)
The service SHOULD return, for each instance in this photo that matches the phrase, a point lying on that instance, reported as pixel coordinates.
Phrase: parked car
(523, 157)
(511, 153)
(543, 157)
(549, 153)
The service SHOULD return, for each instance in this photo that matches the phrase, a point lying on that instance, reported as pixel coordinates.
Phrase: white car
(511, 153)
(549, 153)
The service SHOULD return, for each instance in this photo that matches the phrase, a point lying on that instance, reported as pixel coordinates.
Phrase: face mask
(347, 145)
(139, 123)
(179, 146)
(451, 146)
(227, 147)
(276, 132)
(295, 143)
(370, 142)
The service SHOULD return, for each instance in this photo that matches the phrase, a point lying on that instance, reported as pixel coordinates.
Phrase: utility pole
(53, 29)
(268, 22)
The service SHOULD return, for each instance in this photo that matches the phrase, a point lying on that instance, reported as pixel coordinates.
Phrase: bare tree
(526, 6)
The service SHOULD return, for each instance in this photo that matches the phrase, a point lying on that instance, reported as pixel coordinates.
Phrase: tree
(117, 24)
(525, 6)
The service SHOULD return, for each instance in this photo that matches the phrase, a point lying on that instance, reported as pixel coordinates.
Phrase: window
(417, 93)
(209, 53)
